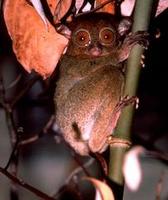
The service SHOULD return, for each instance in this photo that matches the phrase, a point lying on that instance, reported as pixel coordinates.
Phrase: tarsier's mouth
(95, 52)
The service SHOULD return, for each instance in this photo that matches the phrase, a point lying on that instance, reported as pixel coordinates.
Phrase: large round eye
(82, 37)
(107, 36)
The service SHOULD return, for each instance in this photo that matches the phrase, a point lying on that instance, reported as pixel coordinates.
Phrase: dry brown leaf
(39, 8)
(62, 8)
(52, 5)
(132, 170)
(163, 5)
(127, 7)
(78, 5)
(36, 47)
(109, 8)
(103, 191)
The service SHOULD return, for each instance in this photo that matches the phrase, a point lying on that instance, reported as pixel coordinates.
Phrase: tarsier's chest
(89, 80)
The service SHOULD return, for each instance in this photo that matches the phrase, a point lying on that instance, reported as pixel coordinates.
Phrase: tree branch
(142, 15)
(25, 185)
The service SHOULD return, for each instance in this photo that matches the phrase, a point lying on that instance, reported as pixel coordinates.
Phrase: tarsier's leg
(139, 37)
(106, 123)
(111, 140)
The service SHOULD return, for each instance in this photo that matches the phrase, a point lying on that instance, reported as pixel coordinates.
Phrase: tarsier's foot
(125, 101)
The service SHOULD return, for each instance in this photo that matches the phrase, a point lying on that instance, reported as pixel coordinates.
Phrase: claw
(126, 100)
(142, 60)
(139, 37)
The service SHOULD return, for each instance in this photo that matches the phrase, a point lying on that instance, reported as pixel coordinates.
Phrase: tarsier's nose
(95, 51)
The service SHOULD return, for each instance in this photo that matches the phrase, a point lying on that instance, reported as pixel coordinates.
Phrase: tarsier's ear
(63, 30)
(124, 26)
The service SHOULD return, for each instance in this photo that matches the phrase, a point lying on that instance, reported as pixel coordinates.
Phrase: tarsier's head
(96, 34)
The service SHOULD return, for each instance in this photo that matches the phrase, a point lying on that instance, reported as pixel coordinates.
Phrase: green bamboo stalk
(142, 16)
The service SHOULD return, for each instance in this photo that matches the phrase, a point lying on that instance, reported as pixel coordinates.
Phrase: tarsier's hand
(132, 39)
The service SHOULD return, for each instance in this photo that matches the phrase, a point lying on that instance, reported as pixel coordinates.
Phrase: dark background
(150, 124)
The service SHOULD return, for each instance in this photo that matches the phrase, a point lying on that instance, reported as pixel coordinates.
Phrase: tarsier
(91, 79)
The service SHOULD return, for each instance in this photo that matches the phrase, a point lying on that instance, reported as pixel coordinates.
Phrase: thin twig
(2, 92)
(15, 82)
(102, 162)
(15, 147)
(75, 156)
(29, 140)
(160, 186)
(95, 9)
(13, 161)
(24, 91)
(49, 124)
(158, 155)
(40, 134)
(78, 170)
(73, 176)
(12, 155)
(25, 185)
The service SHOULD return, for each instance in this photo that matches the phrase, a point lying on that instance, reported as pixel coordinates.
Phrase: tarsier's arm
(139, 37)
(128, 39)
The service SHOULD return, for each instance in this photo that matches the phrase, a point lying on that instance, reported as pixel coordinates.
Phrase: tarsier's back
(91, 81)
